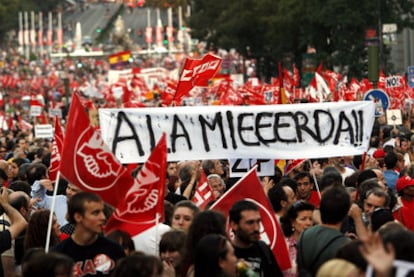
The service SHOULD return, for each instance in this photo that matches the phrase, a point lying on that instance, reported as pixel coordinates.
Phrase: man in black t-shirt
(94, 255)
(245, 223)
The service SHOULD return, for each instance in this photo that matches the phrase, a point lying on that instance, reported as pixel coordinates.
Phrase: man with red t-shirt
(304, 189)
(405, 214)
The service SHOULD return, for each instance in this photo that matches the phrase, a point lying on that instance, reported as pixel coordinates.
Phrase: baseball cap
(404, 182)
(379, 153)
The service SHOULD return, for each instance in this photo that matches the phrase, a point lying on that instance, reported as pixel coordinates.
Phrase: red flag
(296, 76)
(231, 97)
(10, 122)
(88, 163)
(56, 150)
(6, 80)
(35, 101)
(249, 188)
(23, 124)
(203, 194)
(167, 96)
(292, 164)
(144, 201)
(282, 95)
(196, 72)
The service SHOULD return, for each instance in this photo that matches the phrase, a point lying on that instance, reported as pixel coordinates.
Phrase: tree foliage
(268, 30)
(10, 9)
(163, 4)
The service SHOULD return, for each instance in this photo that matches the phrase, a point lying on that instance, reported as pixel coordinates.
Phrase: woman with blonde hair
(338, 268)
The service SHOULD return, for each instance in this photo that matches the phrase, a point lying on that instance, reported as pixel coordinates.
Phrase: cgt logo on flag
(196, 72)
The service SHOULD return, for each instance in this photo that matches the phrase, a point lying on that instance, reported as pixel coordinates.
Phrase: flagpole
(157, 221)
(315, 180)
(364, 156)
(52, 209)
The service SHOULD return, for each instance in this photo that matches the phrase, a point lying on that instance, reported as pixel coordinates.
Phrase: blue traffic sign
(381, 99)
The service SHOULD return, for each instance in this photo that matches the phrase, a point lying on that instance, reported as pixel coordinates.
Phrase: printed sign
(240, 167)
(43, 131)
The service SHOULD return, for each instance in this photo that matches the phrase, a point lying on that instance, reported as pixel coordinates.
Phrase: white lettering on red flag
(56, 150)
(196, 73)
(204, 193)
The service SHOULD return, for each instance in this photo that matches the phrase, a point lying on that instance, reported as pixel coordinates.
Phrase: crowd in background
(338, 214)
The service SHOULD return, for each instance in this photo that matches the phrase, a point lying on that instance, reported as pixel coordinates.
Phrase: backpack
(304, 272)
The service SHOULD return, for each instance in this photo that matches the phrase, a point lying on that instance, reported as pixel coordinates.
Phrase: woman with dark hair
(49, 265)
(138, 265)
(14, 165)
(297, 218)
(124, 239)
(214, 256)
(37, 230)
(171, 250)
(206, 222)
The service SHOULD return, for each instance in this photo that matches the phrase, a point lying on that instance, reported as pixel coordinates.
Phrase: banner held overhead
(263, 132)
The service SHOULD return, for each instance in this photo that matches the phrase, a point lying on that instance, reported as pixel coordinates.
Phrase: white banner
(230, 132)
(44, 131)
(240, 167)
(55, 112)
(35, 110)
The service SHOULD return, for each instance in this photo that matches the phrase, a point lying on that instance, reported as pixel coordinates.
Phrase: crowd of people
(340, 216)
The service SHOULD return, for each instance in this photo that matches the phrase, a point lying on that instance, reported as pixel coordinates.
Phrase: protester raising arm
(380, 257)
(17, 221)
(360, 228)
(189, 190)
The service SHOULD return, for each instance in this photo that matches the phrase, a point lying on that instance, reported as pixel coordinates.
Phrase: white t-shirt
(149, 240)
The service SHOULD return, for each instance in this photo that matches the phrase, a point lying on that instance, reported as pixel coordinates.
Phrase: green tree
(270, 29)
(8, 16)
(10, 9)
